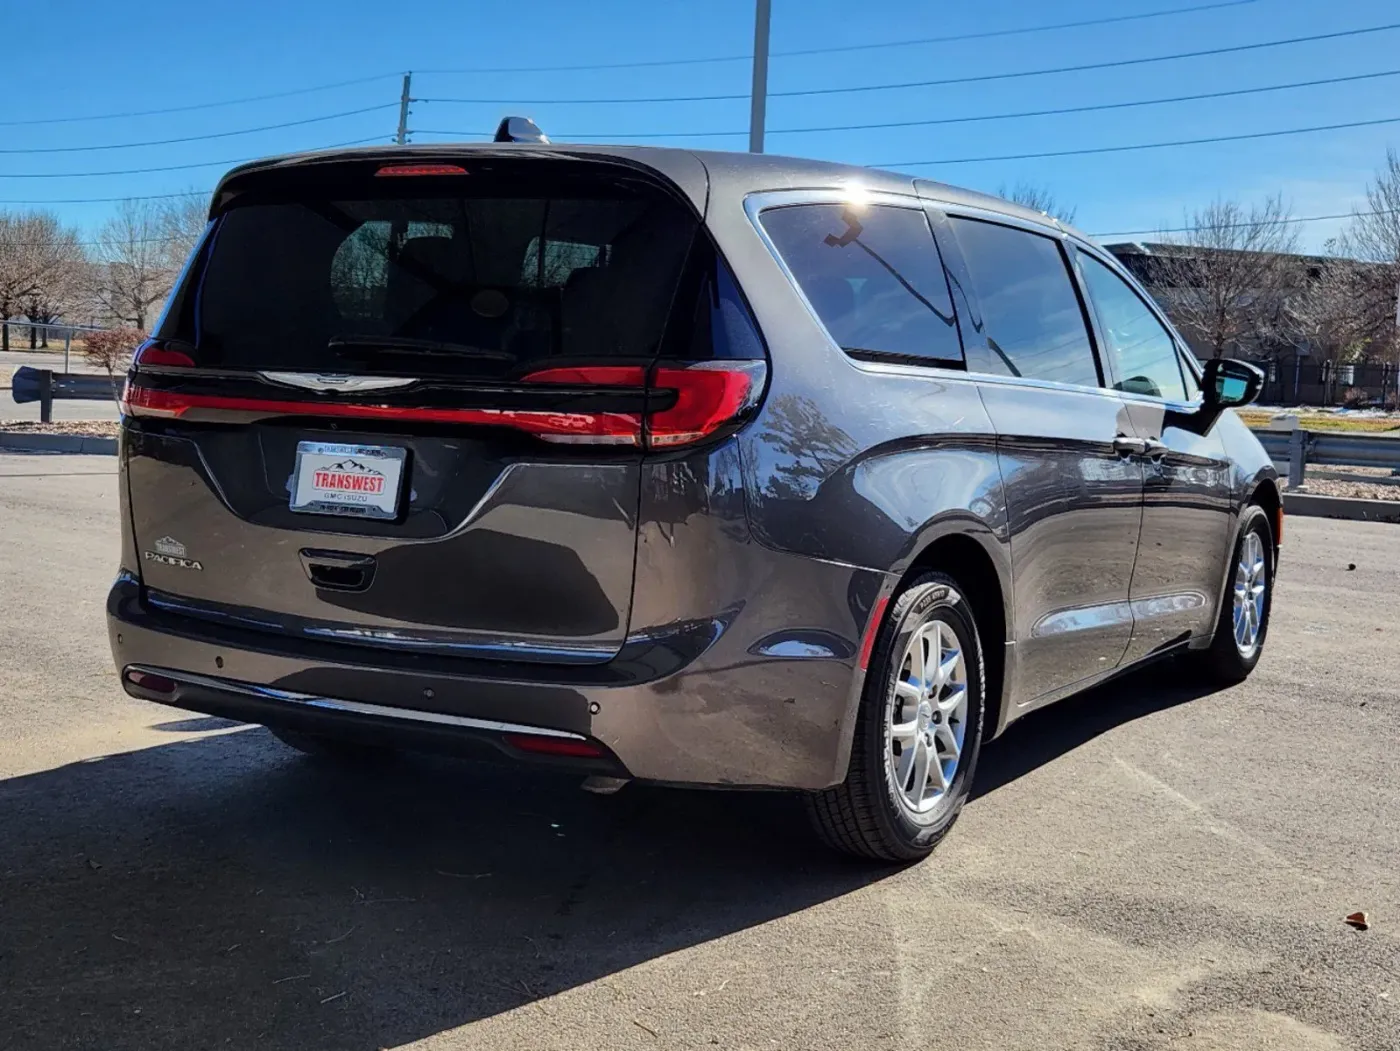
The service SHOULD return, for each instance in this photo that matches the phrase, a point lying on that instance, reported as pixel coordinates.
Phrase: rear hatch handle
(338, 570)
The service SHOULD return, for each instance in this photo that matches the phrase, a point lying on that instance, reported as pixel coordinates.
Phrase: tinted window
(872, 275)
(1031, 317)
(440, 285)
(1143, 352)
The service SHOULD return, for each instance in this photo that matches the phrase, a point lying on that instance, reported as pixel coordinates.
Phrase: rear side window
(873, 276)
(1032, 319)
(1143, 351)
(437, 285)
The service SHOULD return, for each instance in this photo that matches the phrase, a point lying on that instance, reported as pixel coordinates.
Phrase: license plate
(363, 480)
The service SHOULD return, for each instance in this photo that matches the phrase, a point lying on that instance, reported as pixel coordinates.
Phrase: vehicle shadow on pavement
(1046, 734)
(224, 891)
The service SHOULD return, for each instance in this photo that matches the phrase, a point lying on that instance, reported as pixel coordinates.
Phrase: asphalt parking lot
(1145, 867)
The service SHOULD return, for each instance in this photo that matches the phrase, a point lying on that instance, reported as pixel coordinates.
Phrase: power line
(198, 105)
(949, 38)
(605, 136)
(110, 200)
(1232, 226)
(199, 138)
(1142, 145)
(976, 79)
(594, 136)
(1086, 151)
(984, 35)
(169, 167)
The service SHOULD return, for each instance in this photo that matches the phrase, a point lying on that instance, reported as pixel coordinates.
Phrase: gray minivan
(693, 468)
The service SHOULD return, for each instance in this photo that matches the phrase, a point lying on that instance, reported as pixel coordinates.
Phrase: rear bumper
(372, 724)
(742, 699)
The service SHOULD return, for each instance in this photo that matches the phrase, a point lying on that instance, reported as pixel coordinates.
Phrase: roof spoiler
(519, 129)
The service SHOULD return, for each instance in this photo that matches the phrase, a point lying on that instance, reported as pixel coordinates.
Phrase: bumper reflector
(565, 746)
(147, 681)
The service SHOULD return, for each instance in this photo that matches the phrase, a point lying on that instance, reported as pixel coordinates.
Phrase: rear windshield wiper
(363, 346)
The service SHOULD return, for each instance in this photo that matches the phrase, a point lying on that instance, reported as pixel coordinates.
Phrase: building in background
(1321, 327)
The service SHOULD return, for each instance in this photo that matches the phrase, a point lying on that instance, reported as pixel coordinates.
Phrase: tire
(323, 747)
(1227, 662)
(871, 814)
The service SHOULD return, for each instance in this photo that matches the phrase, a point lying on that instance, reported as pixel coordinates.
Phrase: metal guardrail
(1298, 448)
(44, 385)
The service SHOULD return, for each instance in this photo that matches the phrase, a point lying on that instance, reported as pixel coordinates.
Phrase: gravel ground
(86, 428)
(1358, 489)
(1365, 483)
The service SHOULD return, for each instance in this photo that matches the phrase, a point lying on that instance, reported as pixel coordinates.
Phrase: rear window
(873, 276)
(439, 285)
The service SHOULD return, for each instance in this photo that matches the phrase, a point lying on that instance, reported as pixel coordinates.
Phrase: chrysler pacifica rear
(685, 468)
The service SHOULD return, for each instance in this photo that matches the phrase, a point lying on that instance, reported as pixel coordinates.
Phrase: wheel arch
(986, 585)
(969, 551)
(1267, 496)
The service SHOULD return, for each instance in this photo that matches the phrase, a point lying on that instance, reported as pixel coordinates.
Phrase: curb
(1350, 508)
(24, 441)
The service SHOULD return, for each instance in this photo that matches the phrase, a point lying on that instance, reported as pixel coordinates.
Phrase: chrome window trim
(757, 203)
(987, 215)
(309, 700)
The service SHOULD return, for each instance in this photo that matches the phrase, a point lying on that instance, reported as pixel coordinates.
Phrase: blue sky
(159, 54)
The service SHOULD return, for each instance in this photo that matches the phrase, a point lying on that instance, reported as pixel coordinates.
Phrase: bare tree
(22, 264)
(1373, 238)
(134, 263)
(61, 267)
(1038, 198)
(111, 350)
(182, 221)
(1225, 281)
(1322, 314)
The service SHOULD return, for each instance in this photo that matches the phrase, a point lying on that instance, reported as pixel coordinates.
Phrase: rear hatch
(409, 405)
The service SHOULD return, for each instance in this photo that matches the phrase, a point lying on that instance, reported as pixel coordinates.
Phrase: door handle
(1155, 449)
(1125, 446)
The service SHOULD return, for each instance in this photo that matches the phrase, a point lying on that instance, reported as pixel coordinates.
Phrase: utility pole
(759, 100)
(1397, 349)
(404, 100)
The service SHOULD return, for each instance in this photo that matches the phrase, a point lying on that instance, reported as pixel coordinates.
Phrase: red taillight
(708, 397)
(154, 354)
(593, 376)
(420, 169)
(565, 746)
(601, 428)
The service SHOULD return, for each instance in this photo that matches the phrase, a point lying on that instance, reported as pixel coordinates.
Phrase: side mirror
(1225, 384)
(1228, 383)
